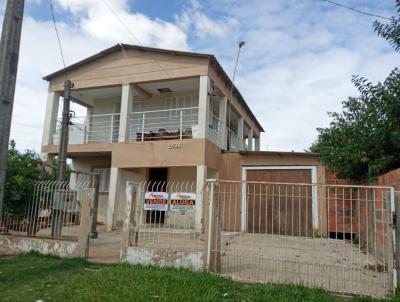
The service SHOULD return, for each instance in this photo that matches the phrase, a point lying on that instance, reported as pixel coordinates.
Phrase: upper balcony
(169, 110)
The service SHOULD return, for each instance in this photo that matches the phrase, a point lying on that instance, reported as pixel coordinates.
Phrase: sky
(296, 64)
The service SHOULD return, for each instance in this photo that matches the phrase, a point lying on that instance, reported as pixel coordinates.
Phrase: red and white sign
(155, 201)
(183, 201)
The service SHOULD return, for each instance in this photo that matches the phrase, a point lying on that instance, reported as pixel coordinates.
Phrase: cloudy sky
(296, 65)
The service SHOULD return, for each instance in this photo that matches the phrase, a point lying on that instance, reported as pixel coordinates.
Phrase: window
(104, 179)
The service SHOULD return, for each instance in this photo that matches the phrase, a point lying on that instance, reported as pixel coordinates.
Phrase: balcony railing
(179, 123)
(153, 125)
(91, 129)
(233, 140)
(216, 131)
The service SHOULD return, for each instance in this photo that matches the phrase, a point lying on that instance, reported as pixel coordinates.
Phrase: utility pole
(58, 202)
(62, 151)
(9, 53)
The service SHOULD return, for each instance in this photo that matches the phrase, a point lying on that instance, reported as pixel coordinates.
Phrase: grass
(32, 277)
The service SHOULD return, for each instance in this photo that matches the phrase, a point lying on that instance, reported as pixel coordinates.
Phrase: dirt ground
(335, 265)
(106, 247)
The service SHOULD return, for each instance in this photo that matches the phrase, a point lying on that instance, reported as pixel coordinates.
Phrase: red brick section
(351, 210)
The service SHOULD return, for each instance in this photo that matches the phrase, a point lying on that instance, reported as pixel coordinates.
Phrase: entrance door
(157, 183)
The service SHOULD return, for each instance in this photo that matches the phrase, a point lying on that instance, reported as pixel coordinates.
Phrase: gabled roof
(120, 46)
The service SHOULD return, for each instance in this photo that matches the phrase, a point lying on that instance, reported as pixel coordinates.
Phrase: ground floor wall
(11, 245)
(189, 167)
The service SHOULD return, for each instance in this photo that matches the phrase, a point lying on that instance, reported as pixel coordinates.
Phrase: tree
(21, 174)
(363, 140)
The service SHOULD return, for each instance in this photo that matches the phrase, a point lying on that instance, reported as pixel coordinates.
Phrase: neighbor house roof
(212, 58)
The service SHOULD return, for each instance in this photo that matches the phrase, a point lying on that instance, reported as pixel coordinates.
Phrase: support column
(223, 107)
(50, 118)
(203, 107)
(200, 182)
(250, 140)
(126, 106)
(257, 143)
(113, 196)
(240, 134)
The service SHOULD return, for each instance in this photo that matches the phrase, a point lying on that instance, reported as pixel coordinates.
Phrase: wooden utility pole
(9, 53)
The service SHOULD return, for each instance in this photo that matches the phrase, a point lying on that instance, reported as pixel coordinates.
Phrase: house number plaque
(175, 146)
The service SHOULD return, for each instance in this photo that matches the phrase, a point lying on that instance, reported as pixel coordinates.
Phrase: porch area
(168, 110)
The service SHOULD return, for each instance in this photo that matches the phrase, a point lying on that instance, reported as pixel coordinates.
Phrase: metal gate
(335, 237)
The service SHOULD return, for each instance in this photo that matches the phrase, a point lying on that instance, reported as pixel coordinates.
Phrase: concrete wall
(11, 245)
(166, 258)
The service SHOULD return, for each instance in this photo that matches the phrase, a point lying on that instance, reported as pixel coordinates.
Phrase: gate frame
(244, 206)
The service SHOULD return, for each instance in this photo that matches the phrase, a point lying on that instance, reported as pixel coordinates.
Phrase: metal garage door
(279, 209)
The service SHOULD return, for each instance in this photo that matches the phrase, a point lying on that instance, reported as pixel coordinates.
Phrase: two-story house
(159, 115)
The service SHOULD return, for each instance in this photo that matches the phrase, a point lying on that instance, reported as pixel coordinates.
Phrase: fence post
(85, 224)
(96, 185)
(214, 230)
(129, 221)
(396, 228)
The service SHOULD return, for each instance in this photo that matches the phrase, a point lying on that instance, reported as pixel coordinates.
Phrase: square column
(240, 134)
(257, 143)
(126, 106)
(223, 107)
(204, 84)
(250, 140)
(200, 182)
(113, 196)
(50, 118)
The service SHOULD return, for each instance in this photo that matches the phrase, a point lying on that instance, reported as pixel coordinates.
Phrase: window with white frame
(104, 179)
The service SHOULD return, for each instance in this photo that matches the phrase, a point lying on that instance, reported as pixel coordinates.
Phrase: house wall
(225, 87)
(230, 168)
(131, 66)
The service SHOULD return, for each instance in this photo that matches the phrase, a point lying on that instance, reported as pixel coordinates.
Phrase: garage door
(275, 205)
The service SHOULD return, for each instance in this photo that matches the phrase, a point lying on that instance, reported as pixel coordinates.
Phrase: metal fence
(328, 236)
(54, 211)
(164, 214)
(91, 129)
(178, 123)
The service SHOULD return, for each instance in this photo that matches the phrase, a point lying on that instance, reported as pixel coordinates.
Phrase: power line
(121, 21)
(55, 28)
(129, 31)
(357, 10)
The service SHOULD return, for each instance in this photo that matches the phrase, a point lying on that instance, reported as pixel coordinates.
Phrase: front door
(157, 183)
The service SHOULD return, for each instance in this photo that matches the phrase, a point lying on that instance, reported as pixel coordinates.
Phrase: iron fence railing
(165, 215)
(330, 236)
(164, 124)
(52, 212)
(102, 128)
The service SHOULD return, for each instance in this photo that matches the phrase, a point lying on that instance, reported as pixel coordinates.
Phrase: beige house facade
(155, 115)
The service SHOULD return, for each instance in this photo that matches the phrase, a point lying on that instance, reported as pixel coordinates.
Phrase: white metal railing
(101, 128)
(178, 123)
(336, 237)
(216, 131)
(233, 140)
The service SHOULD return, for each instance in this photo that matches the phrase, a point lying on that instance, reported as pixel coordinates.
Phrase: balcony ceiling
(87, 96)
(174, 86)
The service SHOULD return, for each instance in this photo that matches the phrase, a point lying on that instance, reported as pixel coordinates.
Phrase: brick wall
(362, 212)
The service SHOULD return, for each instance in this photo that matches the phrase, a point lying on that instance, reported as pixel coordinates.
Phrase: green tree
(363, 140)
(21, 174)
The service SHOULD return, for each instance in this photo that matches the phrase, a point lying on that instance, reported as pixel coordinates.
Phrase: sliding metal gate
(330, 236)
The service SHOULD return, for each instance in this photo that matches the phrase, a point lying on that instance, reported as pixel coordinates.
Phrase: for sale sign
(156, 201)
(183, 201)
